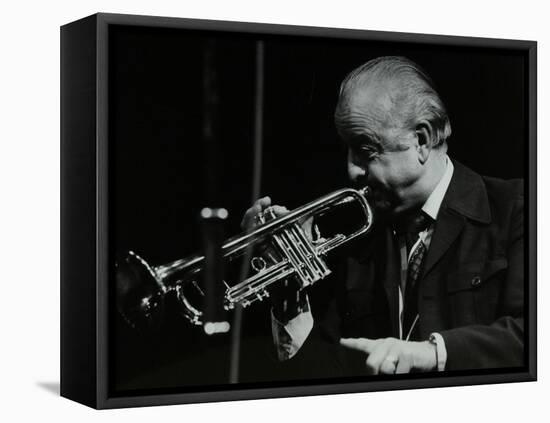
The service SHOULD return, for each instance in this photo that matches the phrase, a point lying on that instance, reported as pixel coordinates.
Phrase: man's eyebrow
(368, 139)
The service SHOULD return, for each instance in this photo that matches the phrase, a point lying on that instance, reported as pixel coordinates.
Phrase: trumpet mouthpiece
(365, 191)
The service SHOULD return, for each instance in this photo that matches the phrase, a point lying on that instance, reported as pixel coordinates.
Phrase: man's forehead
(369, 109)
(371, 113)
(374, 94)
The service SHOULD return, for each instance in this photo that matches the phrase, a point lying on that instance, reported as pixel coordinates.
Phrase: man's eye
(368, 153)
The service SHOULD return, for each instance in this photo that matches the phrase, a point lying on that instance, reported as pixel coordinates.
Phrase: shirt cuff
(289, 338)
(441, 351)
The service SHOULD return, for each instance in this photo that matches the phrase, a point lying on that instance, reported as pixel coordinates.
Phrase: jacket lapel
(447, 228)
(466, 197)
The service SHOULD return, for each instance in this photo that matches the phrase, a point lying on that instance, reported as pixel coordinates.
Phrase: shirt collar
(433, 203)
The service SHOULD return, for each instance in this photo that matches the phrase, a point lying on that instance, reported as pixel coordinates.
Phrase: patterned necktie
(416, 250)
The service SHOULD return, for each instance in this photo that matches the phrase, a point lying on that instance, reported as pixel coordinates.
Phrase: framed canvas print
(254, 211)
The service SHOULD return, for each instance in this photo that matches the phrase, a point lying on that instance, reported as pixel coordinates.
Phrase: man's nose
(356, 173)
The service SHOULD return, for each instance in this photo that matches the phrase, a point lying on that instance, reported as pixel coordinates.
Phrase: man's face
(382, 153)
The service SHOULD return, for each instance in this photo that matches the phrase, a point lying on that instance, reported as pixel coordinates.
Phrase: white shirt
(290, 337)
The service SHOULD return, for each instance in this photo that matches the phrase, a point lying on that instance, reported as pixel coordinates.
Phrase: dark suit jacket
(471, 290)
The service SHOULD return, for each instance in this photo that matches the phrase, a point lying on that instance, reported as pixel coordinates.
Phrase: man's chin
(382, 206)
(387, 209)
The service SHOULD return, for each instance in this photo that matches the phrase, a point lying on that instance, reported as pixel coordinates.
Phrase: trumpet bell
(140, 297)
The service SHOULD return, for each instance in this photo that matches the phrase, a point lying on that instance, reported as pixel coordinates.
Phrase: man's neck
(434, 173)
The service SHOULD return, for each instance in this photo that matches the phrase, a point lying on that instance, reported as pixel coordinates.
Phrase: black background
(160, 166)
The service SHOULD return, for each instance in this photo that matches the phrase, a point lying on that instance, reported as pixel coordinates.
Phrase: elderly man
(438, 283)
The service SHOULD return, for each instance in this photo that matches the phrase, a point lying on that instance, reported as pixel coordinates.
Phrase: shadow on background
(51, 387)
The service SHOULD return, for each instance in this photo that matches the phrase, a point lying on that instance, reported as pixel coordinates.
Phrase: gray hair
(418, 98)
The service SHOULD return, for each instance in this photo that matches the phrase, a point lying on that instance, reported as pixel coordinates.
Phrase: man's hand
(391, 355)
(250, 218)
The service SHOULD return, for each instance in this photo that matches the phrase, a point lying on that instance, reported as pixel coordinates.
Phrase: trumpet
(276, 250)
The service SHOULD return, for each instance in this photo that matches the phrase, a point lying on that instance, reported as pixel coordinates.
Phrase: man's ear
(425, 140)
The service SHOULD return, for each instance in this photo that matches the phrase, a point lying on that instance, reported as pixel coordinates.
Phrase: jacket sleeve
(320, 355)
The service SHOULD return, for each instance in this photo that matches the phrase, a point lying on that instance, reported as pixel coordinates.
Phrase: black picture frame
(86, 219)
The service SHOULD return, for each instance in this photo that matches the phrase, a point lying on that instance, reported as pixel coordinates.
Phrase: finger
(379, 356)
(403, 365)
(263, 202)
(279, 210)
(249, 218)
(307, 227)
(270, 213)
(393, 356)
(359, 344)
(388, 366)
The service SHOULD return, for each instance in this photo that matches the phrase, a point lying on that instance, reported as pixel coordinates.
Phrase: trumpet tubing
(276, 250)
